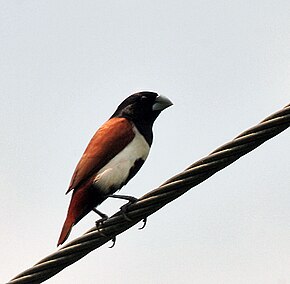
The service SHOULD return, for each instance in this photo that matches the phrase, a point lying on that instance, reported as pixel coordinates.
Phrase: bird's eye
(144, 98)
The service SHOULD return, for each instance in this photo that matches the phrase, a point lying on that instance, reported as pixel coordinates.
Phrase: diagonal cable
(157, 198)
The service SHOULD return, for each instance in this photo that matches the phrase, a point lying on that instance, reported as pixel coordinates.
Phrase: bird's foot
(104, 235)
(103, 216)
(124, 210)
(99, 222)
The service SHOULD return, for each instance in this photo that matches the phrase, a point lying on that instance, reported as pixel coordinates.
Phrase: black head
(143, 106)
(142, 109)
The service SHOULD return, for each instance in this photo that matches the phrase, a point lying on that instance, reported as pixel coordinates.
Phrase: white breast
(117, 170)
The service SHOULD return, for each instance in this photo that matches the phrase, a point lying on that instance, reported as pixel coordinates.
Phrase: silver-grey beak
(161, 103)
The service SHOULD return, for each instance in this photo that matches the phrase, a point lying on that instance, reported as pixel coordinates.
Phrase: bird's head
(142, 107)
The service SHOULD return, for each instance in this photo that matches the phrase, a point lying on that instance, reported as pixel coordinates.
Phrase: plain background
(64, 68)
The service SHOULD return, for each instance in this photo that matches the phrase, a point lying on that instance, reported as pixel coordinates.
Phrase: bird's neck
(145, 129)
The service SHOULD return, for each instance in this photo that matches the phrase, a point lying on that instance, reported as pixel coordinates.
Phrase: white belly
(116, 172)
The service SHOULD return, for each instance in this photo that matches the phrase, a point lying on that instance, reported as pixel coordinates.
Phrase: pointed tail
(83, 200)
(66, 229)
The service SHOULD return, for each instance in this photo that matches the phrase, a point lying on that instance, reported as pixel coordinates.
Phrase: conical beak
(161, 103)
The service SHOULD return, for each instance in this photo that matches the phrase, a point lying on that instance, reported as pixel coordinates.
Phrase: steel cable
(157, 198)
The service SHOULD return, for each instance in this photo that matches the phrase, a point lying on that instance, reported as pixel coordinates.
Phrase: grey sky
(64, 68)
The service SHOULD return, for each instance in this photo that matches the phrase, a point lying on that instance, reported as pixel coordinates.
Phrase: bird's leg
(100, 221)
(102, 215)
(124, 208)
(131, 199)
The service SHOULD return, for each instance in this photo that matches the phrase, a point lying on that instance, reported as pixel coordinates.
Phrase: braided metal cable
(157, 198)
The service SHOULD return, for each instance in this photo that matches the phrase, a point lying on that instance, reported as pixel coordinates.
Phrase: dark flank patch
(133, 171)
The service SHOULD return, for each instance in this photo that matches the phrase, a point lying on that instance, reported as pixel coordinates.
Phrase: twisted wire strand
(157, 198)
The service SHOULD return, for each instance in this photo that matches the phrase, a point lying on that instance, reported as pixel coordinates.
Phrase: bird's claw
(144, 224)
(98, 224)
(124, 209)
(114, 242)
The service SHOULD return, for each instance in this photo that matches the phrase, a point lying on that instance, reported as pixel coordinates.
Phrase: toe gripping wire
(104, 217)
(156, 199)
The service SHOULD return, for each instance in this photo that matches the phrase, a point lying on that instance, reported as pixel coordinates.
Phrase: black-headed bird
(113, 156)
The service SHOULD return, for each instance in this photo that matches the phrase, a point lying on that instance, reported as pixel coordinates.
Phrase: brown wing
(109, 140)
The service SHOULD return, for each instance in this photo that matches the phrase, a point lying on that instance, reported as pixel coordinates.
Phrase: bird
(113, 156)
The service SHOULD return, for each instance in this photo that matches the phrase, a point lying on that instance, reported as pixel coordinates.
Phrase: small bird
(113, 156)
